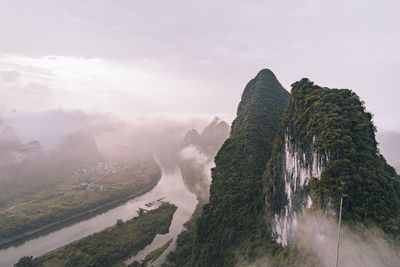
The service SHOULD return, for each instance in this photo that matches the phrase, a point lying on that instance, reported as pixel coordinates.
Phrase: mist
(51, 127)
(315, 243)
(160, 134)
(360, 246)
(199, 165)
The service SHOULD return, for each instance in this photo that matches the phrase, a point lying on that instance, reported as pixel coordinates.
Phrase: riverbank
(114, 244)
(170, 189)
(92, 211)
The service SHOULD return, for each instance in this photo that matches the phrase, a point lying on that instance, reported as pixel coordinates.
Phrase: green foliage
(114, 244)
(26, 261)
(120, 223)
(182, 255)
(335, 123)
(233, 218)
(141, 212)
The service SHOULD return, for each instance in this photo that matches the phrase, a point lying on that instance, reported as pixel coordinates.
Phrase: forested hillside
(269, 179)
(233, 217)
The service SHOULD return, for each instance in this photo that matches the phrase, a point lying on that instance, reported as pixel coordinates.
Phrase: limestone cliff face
(297, 167)
(326, 149)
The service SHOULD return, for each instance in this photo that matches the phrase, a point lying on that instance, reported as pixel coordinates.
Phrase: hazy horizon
(134, 58)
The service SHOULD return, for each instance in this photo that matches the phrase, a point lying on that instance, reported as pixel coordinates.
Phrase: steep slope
(233, 217)
(326, 149)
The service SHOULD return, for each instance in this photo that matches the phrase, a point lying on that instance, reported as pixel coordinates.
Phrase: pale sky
(143, 57)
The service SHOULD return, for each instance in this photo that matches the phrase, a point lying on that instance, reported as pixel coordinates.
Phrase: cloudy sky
(178, 57)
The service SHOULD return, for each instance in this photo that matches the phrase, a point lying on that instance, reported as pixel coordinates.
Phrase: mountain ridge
(235, 208)
(268, 179)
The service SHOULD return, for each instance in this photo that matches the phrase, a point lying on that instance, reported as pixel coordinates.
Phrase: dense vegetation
(112, 245)
(233, 225)
(62, 195)
(334, 123)
(356, 171)
(233, 217)
(182, 255)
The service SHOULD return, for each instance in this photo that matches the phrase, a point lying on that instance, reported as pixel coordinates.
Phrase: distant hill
(80, 147)
(13, 152)
(211, 139)
(197, 156)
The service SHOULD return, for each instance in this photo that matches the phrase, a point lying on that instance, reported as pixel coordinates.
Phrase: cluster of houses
(101, 168)
(92, 187)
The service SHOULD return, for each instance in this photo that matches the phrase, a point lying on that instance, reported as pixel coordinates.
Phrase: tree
(141, 212)
(26, 261)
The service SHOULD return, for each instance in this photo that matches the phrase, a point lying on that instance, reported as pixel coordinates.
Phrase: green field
(80, 191)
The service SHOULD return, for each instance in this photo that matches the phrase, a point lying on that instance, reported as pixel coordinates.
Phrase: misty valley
(41, 189)
(84, 182)
(194, 191)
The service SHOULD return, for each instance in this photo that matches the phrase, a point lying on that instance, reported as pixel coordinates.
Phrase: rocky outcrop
(298, 166)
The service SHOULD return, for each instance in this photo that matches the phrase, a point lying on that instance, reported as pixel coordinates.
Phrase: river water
(170, 188)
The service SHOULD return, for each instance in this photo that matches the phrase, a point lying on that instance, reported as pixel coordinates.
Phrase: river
(170, 188)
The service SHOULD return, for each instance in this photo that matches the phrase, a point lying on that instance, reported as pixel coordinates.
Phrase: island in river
(112, 245)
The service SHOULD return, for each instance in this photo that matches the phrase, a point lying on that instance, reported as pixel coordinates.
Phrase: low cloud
(315, 244)
(50, 127)
(359, 247)
(196, 171)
